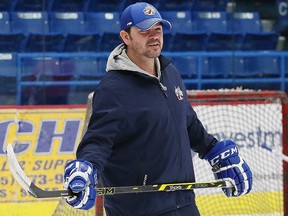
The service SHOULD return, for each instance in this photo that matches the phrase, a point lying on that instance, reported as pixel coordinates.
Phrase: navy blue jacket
(142, 132)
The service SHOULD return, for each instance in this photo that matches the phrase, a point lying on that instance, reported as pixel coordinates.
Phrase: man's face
(148, 43)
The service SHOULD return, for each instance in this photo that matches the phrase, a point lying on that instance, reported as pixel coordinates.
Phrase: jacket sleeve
(103, 128)
(200, 140)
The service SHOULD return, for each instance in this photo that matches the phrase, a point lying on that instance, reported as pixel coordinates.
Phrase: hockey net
(257, 122)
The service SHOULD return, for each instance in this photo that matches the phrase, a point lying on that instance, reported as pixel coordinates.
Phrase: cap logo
(149, 10)
(129, 23)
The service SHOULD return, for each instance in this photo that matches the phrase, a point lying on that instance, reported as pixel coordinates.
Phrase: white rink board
(257, 130)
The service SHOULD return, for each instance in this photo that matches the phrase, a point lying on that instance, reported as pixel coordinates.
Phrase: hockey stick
(37, 192)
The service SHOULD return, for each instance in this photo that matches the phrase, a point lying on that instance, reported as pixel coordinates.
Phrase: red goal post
(258, 120)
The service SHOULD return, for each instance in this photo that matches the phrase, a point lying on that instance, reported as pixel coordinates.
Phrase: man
(143, 128)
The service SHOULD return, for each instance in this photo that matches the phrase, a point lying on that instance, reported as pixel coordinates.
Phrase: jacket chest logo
(178, 93)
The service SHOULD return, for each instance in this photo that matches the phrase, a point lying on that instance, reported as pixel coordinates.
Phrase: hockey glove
(81, 179)
(228, 165)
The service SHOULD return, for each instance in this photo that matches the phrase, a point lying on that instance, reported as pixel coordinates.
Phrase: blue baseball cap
(143, 16)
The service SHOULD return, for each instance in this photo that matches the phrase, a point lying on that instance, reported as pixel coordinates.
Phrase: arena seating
(52, 42)
(92, 26)
(99, 22)
(286, 66)
(89, 68)
(209, 5)
(244, 22)
(172, 5)
(86, 42)
(260, 41)
(66, 22)
(182, 20)
(30, 5)
(195, 41)
(12, 42)
(6, 5)
(187, 66)
(5, 26)
(8, 72)
(201, 30)
(210, 21)
(106, 6)
(263, 66)
(67, 5)
(29, 22)
(224, 41)
(224, 67)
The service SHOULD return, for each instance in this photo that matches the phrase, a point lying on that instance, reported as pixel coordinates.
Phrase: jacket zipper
(164, 89)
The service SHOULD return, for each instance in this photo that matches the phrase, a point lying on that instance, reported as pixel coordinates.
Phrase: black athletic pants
(190, 210)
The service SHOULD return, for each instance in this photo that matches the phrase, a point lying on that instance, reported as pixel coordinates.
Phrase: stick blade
(17, 171)
(26, 183)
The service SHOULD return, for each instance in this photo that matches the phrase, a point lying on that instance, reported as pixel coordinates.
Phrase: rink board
(26, 126)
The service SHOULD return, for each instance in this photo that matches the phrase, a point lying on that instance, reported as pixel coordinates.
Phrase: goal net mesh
(257, 122)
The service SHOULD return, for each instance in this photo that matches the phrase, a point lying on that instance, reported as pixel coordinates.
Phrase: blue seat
(260, 41)
(12, 42)
(262, 66)
(8, 74)
(102, 62)
(175, 5)
(210, 5)
(210, 21)
(106, 6)
(44, 43)
(29, 22)
(81, 43)
(7, 5)
(244, 22)
(99, 22)
(167, 41)
(181, 20)
(88, 68)
(156, 3)
(68, 5)
(66, 22)
(187, 66)
(224, 66)
(224, 41)
(189, 42)
(286, 66)
(5, 22)
(109, 41)
(31, 5)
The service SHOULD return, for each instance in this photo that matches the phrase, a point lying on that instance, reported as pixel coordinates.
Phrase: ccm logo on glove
(228, 165)
(223, 155)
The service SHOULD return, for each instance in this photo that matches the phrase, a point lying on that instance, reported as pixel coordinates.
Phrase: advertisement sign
(44, 141)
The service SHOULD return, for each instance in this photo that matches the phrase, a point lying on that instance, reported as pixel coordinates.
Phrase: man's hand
(81, 179)
(228, 165)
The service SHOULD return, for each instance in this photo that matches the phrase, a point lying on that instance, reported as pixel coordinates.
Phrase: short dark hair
(128, 31)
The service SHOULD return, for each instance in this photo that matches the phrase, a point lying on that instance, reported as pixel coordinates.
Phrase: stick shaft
(161, 187)
(104, 191)
(37, 192)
